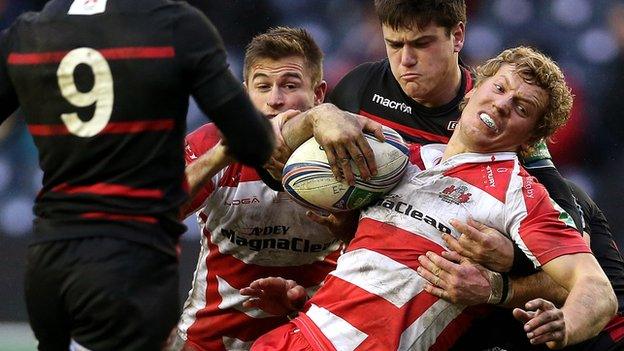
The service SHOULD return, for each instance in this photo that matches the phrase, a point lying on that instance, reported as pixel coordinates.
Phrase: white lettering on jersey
(87, 7)
(392, 104)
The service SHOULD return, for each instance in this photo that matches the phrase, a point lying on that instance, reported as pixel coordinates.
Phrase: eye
(522, 110)
(498, 87)
(395, 46)
(262, 87)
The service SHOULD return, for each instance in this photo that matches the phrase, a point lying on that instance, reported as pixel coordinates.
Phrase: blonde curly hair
(538, 69)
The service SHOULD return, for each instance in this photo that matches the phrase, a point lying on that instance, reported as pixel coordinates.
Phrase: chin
(414, 92)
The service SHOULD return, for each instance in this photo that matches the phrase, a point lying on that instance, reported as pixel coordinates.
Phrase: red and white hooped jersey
(248, 232)
(374, 300)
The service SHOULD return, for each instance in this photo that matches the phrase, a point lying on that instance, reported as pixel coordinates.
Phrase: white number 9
(101, 94)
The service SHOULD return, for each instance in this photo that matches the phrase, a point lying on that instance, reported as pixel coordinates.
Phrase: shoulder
(529, 186)
(187, 17)
(349, 90)
(367, 69)
(201, 140)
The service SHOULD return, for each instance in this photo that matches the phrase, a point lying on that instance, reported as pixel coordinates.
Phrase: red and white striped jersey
(248, 232)
(374, 300)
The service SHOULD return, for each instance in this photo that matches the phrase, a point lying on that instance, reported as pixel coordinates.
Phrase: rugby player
(248, 230)
(104, 87)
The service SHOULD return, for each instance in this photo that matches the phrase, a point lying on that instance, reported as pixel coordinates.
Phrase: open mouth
(488, 121)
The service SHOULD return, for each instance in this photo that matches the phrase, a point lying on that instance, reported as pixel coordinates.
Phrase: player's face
(501, 112)
(425, 62)
(275, 86)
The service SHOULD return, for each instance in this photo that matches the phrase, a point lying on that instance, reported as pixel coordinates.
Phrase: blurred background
(585, 36)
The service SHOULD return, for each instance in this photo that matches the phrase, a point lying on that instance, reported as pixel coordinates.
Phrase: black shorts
(102, 292)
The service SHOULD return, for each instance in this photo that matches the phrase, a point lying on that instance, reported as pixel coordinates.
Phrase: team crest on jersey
(455, 195)
(87, 7)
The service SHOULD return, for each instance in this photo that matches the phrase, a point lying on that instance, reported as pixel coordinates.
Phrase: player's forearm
(524, 289)
(301, 128)
(589, 307)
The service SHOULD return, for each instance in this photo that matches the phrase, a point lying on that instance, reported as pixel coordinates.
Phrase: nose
(503, 104)
(408, 56)
(275, 99)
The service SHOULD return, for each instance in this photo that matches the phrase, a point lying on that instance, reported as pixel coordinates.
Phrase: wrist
(501, 291)
(496, 288)
(507, 289)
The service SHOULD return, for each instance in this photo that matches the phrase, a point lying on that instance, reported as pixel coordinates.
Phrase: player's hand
(455, 278)
(281, 153)
(482, 244)
(543, 323)
(340, 133)
(275, 295)
(342, 224)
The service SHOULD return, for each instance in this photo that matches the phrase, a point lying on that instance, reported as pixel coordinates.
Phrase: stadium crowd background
(585, 36)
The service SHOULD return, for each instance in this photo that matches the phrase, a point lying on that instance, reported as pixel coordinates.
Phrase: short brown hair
(405, 14)
(538, 69)
(282, 42)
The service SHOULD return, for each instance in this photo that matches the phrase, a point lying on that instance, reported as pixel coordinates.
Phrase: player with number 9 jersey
(104, 86)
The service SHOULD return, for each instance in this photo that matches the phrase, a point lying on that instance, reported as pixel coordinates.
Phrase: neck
(454, 147)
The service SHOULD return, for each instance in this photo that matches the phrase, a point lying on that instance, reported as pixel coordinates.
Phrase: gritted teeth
(489, 121)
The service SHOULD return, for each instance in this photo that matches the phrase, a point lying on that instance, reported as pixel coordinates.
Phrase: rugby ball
(308, 179)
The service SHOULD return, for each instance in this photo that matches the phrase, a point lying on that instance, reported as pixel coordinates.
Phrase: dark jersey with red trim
(602, 243)
(104, 87)
(372, 91)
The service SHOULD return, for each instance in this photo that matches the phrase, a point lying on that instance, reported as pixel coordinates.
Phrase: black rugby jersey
(601, 241)
(372, 91)
(104, 87)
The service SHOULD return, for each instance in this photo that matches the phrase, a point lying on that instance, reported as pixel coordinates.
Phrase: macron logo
(87, 7)
(392, 104)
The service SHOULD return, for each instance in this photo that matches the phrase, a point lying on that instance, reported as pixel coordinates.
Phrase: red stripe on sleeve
(106, 189)
(119, 217)
(138, 126)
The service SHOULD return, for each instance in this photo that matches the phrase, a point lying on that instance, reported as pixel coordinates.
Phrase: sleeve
(8, 97)
(602, 244)
(347, 93)
(538, 225)
(200, 141)
(559, 191)
(218, 94)
(196, 144)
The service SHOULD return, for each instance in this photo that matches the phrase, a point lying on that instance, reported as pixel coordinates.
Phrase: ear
(319, 92)
(459, 34)
(245, 86)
